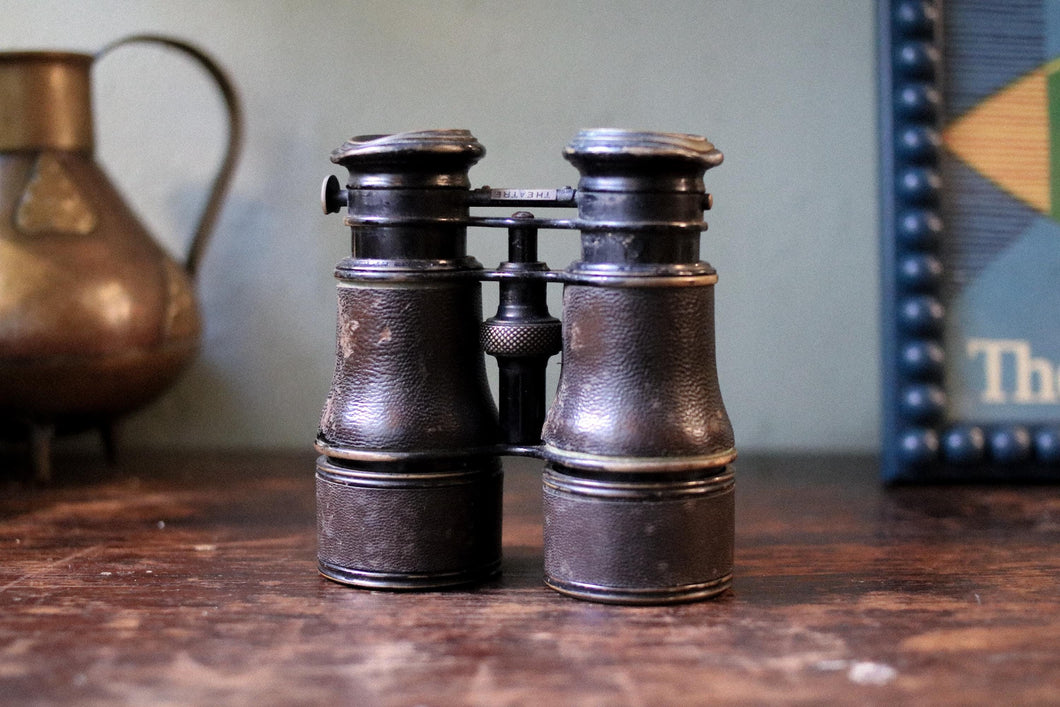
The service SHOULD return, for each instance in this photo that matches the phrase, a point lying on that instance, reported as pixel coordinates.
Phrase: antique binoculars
(637, 483)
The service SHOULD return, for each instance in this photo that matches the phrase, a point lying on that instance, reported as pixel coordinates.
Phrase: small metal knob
(332, 196)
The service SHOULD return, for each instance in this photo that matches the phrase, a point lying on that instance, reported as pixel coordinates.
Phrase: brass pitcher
(96, 319)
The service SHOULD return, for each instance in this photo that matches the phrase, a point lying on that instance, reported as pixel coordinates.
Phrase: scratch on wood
(48, 566)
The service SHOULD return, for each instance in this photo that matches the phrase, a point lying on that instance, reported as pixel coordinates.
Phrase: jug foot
(40, 440)
(109, 437)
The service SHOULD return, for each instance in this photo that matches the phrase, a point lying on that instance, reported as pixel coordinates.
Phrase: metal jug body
(96, 319)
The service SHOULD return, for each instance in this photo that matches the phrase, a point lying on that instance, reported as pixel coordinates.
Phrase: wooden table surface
(190, 579)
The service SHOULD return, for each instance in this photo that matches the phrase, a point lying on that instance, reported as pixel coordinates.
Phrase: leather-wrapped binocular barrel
(638, 488)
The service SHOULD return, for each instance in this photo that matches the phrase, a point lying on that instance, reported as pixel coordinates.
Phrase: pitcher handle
(223, 178)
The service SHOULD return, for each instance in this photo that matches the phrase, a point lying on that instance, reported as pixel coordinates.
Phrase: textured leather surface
(418, 527)
(662, 543)
(409, 374)
(638, 376)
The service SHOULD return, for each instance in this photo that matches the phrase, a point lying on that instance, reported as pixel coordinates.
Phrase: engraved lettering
(523, 194)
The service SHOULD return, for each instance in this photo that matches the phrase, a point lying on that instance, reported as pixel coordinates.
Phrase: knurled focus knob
(521, 339)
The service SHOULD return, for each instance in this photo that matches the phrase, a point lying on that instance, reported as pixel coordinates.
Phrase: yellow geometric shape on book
(1006, 138)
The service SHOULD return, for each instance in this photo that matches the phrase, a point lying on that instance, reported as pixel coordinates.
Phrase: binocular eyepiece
(638, 488)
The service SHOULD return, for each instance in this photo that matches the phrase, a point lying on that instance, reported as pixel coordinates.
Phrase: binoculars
(637, 446)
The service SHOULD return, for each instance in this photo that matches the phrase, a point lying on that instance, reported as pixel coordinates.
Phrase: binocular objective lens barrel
(407, 527)
(408, 481)
(638, 492)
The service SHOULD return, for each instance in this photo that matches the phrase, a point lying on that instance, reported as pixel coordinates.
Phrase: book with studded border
(970, 182)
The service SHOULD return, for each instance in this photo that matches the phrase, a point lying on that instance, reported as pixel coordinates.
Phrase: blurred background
(785, 88)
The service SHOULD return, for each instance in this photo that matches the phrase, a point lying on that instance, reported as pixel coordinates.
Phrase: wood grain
(190, 579)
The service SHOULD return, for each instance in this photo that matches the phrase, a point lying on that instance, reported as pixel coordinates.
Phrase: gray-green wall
(785, 88)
